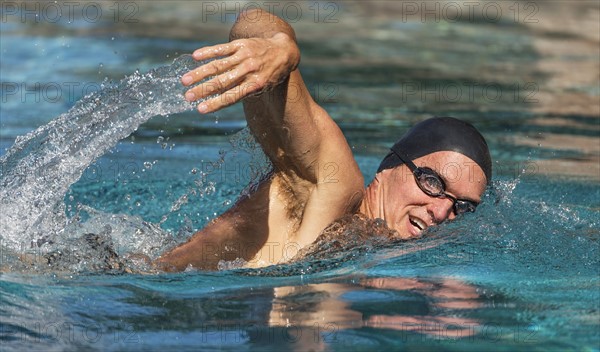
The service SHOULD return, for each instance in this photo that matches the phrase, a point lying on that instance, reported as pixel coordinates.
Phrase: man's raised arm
(259, 64)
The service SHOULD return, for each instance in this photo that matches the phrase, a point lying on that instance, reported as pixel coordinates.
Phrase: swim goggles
(432, 184)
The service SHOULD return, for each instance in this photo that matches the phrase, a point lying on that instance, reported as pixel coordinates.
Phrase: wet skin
(315, 178)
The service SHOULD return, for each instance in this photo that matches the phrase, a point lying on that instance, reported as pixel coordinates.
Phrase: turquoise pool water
(520, 274)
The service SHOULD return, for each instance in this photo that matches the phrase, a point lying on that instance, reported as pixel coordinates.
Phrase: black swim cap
(441, 134)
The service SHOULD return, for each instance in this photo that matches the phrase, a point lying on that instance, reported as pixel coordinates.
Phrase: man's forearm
(281, 117)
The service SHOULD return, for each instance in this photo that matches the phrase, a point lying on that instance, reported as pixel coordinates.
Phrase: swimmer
(436, 172)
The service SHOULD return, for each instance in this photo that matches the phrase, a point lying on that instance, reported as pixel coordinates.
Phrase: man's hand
(241, 68)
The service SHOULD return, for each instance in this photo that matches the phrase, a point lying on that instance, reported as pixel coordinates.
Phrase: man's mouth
(418, 224)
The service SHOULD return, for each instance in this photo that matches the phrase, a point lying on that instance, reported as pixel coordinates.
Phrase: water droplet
(194, 171)
(148, 165)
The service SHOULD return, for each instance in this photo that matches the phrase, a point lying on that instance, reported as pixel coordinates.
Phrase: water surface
(520, 274)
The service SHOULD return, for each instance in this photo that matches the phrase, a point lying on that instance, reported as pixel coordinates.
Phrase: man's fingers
(218, 84)
(225, 51)
(212, 68)
(229, 97)
(223, 79)
(211, 52)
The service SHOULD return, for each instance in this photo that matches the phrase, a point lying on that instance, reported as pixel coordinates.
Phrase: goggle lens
(433, 185)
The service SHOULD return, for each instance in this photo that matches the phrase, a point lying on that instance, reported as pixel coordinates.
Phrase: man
(315, 179)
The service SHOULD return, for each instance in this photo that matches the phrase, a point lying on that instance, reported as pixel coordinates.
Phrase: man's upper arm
(291, 128)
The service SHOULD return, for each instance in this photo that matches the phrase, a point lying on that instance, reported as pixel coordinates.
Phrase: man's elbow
(259, 23)
(253, 15)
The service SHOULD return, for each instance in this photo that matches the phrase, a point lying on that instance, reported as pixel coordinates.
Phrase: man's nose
(442, 209)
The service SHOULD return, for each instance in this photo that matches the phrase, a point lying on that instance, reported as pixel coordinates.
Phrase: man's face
(408, 210)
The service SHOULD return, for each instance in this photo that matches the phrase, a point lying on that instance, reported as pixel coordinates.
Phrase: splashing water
(39, 168)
